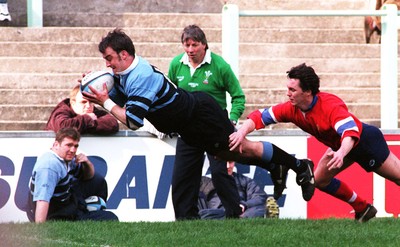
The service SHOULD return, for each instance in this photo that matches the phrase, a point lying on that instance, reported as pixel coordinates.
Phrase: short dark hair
(69, 132)
(195, 33)
(309, 80)
(118, 41)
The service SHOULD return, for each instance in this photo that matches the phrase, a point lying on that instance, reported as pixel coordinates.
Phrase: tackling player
(326, 117)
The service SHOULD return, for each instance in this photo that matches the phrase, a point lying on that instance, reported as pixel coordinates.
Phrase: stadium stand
(40, 65)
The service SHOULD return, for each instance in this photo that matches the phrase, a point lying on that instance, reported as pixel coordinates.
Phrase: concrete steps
(274, 65)
(349, 95)
(350, 80)
(52, 96)
(269, 34)
(299, 4)
(30, 113)
(33, 102)
(33, 113)
(168, 49)
(47, 80)
(42, 64)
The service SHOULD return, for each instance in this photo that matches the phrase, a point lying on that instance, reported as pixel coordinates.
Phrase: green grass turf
(243, 232)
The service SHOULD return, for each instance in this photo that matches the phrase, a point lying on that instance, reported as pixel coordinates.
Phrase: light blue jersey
(142, 89)
(52, 177)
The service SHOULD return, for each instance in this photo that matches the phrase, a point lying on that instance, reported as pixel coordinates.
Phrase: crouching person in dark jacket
(252, 198)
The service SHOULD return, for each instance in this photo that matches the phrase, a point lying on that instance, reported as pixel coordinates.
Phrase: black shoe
(278, 176)
(368, 213)
(306, 180)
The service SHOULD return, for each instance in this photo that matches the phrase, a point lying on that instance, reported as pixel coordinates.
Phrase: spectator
(61, 180)
(83, 115)
(4, 14)
(253, 199)
(373, 23)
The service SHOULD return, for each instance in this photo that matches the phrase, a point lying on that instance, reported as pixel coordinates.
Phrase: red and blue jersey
(328, 119)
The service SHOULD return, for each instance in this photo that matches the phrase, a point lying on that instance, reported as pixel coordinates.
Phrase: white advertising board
(138, 171)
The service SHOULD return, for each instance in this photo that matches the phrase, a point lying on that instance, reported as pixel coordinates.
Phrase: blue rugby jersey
(147, 93)
(51, 179)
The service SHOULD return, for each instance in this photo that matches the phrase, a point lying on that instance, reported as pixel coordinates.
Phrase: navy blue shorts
(372, 149)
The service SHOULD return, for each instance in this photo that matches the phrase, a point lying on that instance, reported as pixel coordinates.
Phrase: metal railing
(35, 13)
(389, 43)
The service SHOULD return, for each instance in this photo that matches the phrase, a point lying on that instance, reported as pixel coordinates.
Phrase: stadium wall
(138, 170)
(62, 9)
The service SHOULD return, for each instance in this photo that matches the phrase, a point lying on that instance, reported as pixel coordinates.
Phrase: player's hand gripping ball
(95, 203)
(96, 79)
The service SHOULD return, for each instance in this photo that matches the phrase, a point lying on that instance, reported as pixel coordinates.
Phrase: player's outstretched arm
(236, 138)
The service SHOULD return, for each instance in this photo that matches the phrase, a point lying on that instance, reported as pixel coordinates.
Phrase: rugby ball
(96, 79)
(95, 203)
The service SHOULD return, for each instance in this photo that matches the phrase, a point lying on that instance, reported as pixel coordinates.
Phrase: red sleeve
(256, 117)
(354, 134)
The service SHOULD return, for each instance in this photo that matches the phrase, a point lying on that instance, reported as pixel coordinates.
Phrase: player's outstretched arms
(101, 98)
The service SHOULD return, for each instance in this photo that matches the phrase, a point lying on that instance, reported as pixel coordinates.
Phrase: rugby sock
(274, 154)
(342, 191)
(267, 152)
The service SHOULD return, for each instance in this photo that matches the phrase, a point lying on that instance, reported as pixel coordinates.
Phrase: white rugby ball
(96, 79)
(95, 203)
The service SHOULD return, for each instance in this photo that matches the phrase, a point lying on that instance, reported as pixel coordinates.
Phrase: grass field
(249, 232)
